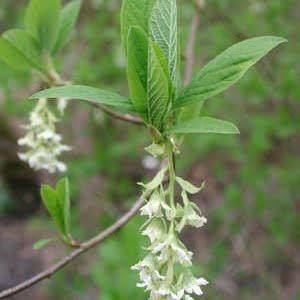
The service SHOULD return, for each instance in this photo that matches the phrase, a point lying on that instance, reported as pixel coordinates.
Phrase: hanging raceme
(33, 49)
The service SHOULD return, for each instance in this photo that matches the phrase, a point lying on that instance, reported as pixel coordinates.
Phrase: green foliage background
(248, 250)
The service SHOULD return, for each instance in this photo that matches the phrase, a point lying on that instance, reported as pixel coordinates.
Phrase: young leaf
(57, 201)
(52, 203)
(135, 13)
(189, 187)
(86, 93)
(204, 125)
(226, 69)
(190, 112)
(26, 45)
(137, 62)
(63, 195)
(42, 243)
(13, 57)
(68, 19)
(42, 21)
(158, 86)
(163, 29)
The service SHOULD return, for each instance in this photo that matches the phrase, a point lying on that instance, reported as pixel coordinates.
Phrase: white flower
(42, 142)
(62, 104)
(192, 285)
(188, 297)
(173, 248)
(149, 275)
(156, 231)
(156, 206)
(190, 215)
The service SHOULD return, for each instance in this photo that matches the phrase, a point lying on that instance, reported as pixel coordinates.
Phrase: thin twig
(190, 51)
(123, 117)
(69, 258)
(56, 80)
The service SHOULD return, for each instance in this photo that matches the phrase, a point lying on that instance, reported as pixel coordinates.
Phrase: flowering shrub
(168, 110)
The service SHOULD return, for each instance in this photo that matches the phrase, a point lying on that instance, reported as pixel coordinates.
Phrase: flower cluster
(43, 144)
(166, 271)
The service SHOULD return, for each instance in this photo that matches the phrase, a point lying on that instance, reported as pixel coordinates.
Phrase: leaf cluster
(47, 28)
(150, 39)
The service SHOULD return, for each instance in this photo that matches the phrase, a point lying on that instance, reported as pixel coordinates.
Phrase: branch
(123, 117)
(190, 51)
(55, 80)
(82, 249)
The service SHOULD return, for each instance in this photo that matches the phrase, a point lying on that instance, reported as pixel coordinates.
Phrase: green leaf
(156, 181)
(158, 86)
(42, 21)
(42, 243)
(137, 62)
(68, 19)
(57, 201)
(204, 125)
(189, 187)
(63, 195)
(192, 111)
(226, 69)
(19, 50)
(135, 13)
(53, 205)
(85, 93)
(163, 29)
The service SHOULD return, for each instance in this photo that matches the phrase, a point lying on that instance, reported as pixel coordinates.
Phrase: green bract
(150, 39)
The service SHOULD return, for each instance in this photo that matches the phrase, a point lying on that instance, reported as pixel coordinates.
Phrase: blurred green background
(250, 246)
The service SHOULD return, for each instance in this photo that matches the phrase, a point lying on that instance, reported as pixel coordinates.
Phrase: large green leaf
(137, 64)
(25, 49)
(68, 19)
(135, 13)
(163, 29)
(85, 93)
(204, 125)
(57, 201)
(42, 21)
(158, 86)
(226, 69)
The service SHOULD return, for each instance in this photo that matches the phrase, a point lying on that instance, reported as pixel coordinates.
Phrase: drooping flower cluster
(166, 271)
(43, 145)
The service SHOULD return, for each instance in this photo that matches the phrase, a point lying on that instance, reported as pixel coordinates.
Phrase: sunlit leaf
(68, 19)
(20, 50)
(135, 13)
(226, 69)
(42, 21)
(163, 29)
(85, 93)
(137, 62)
(204, 125)
(158, 86)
